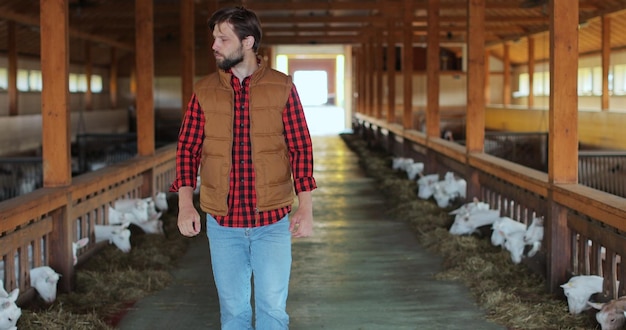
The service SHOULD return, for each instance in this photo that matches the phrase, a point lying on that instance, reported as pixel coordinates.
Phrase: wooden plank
(608, 208)
(37, 229)
(18, 211)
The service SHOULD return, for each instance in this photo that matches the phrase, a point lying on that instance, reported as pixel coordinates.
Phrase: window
(34, 80)
(96, 83)
(22, 80)
(619, 79)
(585, 81)
(312, 86)
(4, 78)
(541, 83)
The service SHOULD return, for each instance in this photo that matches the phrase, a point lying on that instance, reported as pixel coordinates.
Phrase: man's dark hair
(245, 23)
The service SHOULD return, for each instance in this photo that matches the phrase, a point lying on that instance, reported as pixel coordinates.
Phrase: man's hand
(302, 219)
(188, 216)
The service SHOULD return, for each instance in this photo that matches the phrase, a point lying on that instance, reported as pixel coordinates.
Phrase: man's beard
(229, 62)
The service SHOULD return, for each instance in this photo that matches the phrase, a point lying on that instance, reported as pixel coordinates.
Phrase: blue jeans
(239, 254)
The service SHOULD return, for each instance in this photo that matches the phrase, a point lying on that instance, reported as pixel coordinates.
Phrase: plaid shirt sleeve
(298, 143)
(189, 147)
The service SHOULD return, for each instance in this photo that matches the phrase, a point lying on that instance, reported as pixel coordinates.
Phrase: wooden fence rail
(38, 228)
(594, 235)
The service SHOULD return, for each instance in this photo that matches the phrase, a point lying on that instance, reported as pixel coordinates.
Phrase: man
(245, 130)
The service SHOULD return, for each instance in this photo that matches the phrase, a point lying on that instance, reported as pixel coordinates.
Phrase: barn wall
(592, 125)
(22, 134)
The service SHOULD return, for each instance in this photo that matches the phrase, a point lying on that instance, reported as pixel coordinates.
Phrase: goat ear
(14, 294)
(595, 305)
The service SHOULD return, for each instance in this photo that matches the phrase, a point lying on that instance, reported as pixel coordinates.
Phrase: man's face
(227, 47)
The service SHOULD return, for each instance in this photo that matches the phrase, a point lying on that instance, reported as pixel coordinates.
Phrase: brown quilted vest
(269, 91)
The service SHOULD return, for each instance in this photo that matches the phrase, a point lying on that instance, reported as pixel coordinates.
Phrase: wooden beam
(187, 51)
(563, 132)
(407, 66)
(55, 135)
(378, 62)
(506, 88)
(88, 73)
(391, 71)
(531, 72)
(34, 21)
(606, 60)
(12, 68)
(432, 70)
(475, 131)
(144, 62)
(113, 76)
(487, 77)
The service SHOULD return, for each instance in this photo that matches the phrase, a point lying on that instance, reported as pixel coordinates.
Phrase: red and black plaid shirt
(242, 195)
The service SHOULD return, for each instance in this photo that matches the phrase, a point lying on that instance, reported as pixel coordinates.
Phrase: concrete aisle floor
(360, 270)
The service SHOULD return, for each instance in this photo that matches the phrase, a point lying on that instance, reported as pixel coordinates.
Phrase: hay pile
(510, 294)
(111, 281)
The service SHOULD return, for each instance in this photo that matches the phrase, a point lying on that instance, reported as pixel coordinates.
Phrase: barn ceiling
(111, 23)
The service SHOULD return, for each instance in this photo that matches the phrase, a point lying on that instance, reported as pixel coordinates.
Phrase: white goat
(579, 289)
(469, 221)
(426, 185)
(475, 204)
(448, 189)
(400, 163)
(534, 235)
(152, 226)
(81, 243)
(413, 170)
(137, 206)
(9, 311)
(611, 315)
(503, 227)
(118, 235)
(44, 279)
(160, 201)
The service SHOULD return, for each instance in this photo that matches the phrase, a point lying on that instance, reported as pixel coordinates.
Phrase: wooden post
(12, 67)
(56, 128)
(369, 73)
(606, 60)
(407, 65)
(187, 51)
(88, 74)
(475, 131)
(113, 83)
(144, 62)
(563, 134)
(391, 71)
(433, 71)
(531, 72)
(213, 6)
(506, 90)
(378, 63)
(487, 88)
